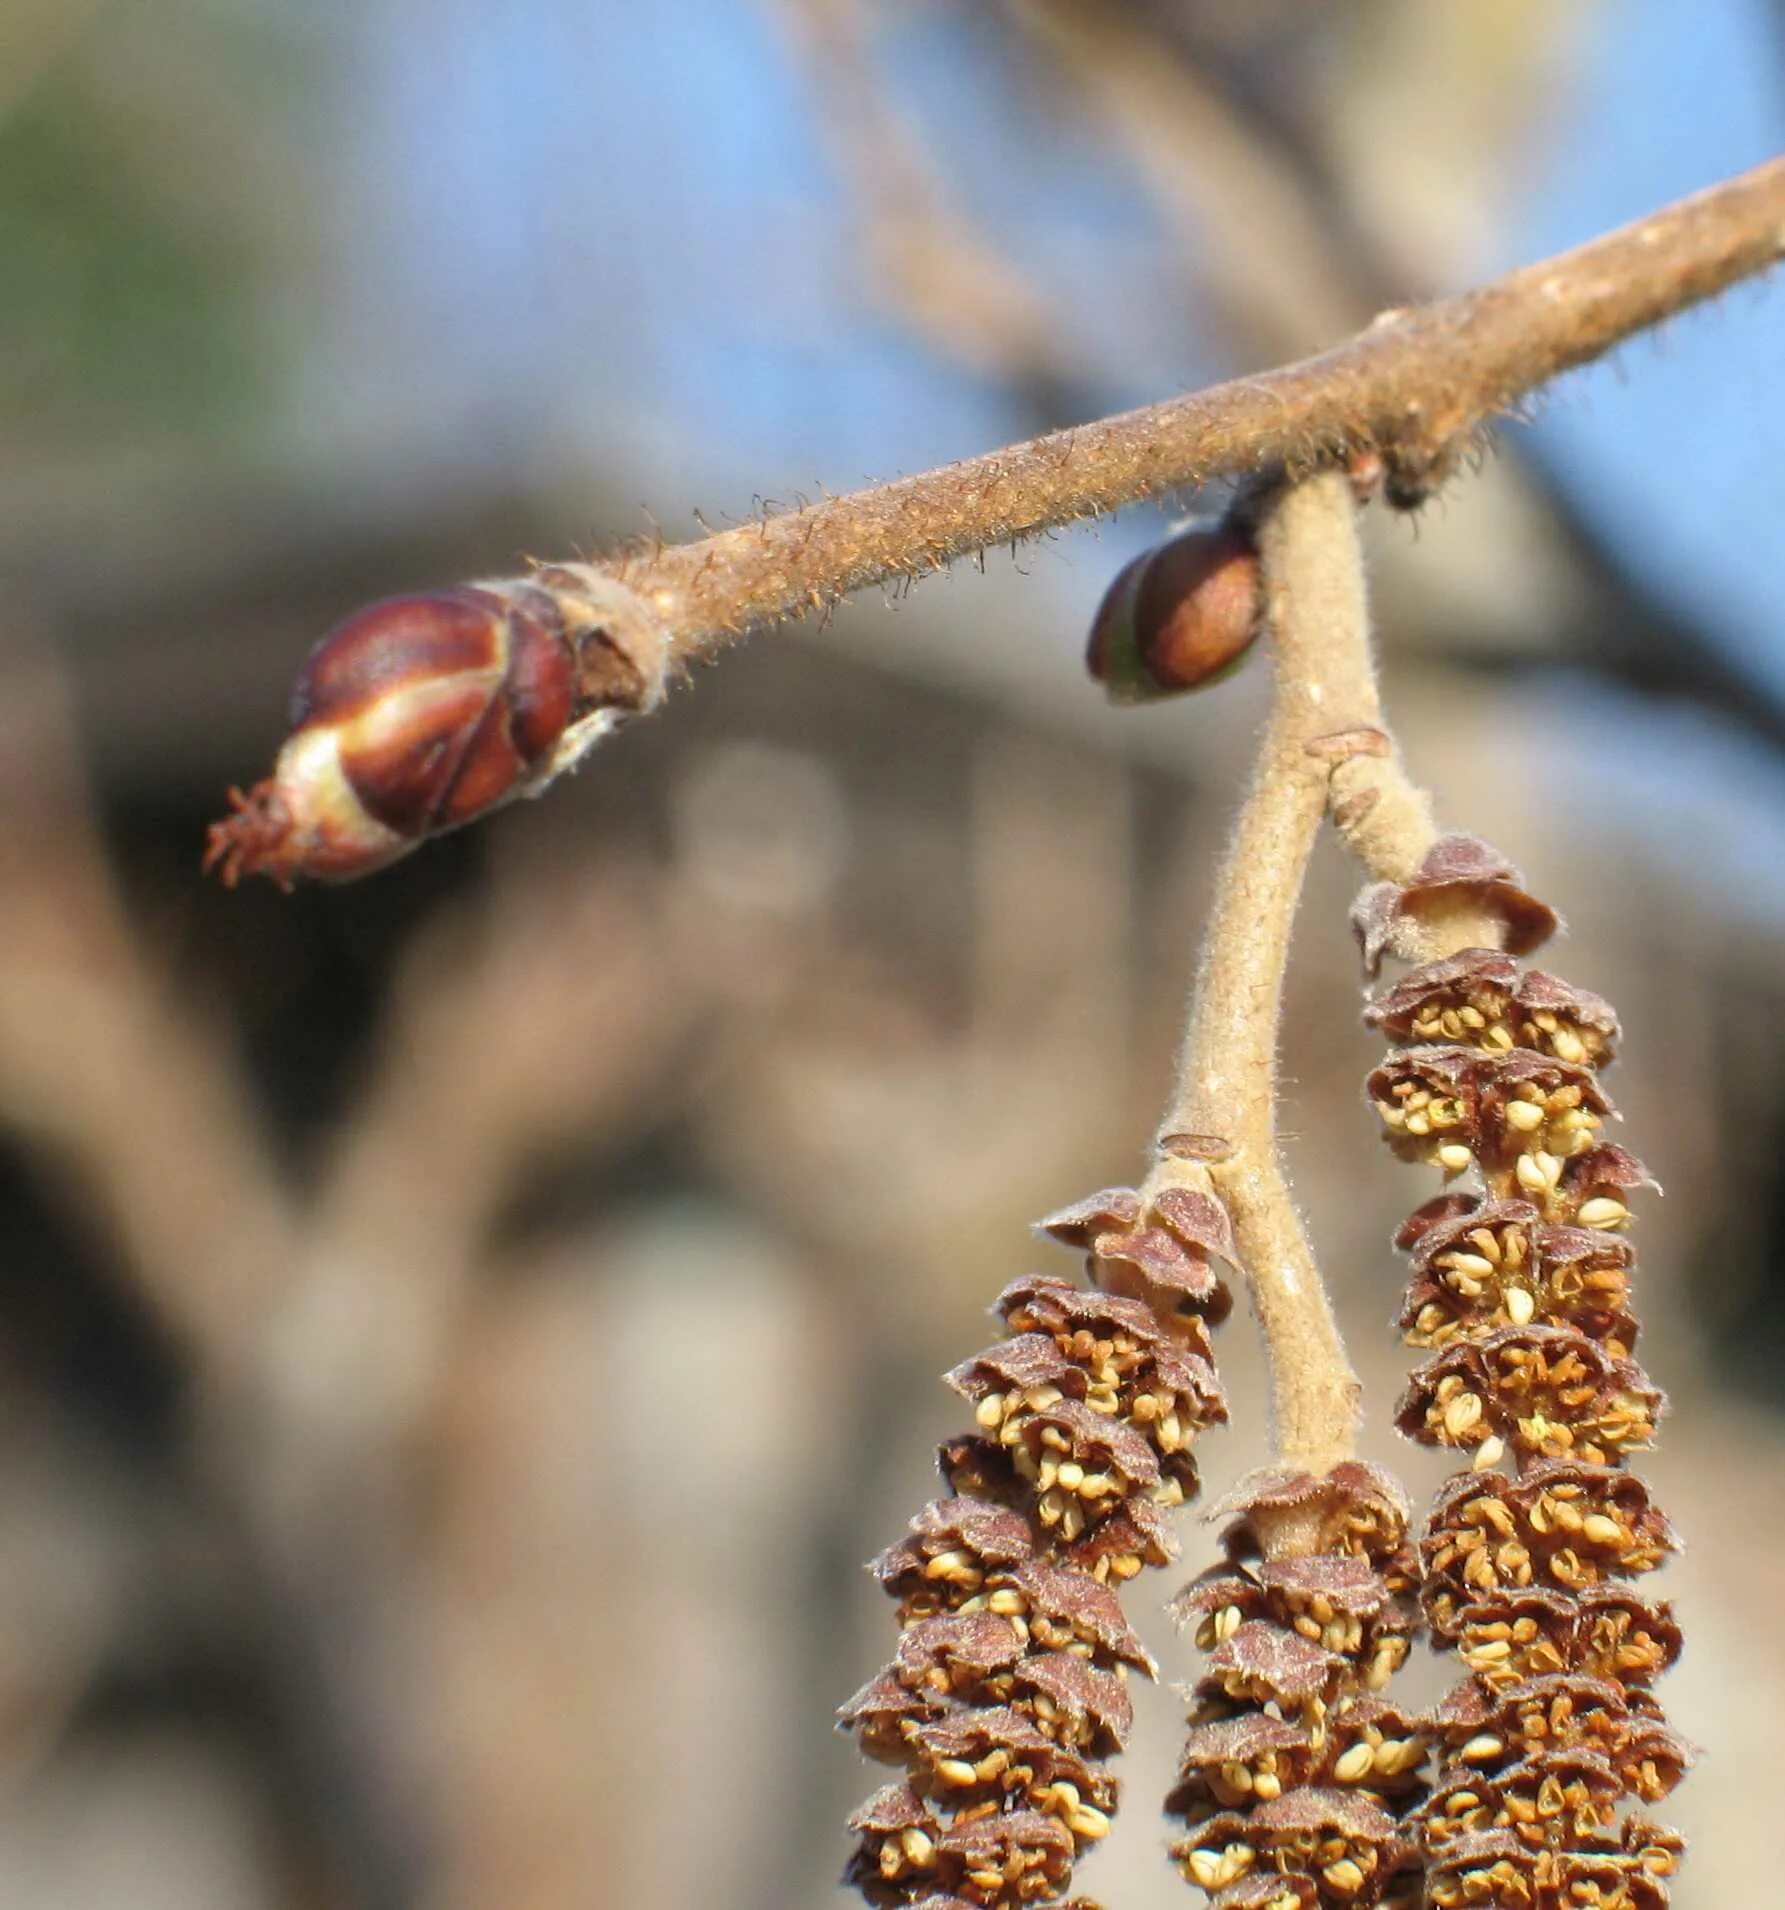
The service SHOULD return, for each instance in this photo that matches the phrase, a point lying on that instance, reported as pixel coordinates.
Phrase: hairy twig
(1386, 820)
(1222, 1119)
(1412, 384)
(426, 712)
(1432, 894)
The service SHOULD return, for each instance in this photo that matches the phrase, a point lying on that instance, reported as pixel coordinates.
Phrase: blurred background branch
(930, 267)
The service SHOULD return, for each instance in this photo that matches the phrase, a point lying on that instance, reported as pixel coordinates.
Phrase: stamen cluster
(1520, 1300)
(1298, 1775)
(1007, 1694)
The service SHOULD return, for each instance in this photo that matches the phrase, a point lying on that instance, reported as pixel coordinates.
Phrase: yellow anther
(1469, 1263)
(1236, 1861)
(1463, 1412)
(1603, 1212)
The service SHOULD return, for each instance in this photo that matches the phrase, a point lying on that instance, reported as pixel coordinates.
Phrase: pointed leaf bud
(415, 715)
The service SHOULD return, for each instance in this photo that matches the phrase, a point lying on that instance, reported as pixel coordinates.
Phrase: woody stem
(1322, 688)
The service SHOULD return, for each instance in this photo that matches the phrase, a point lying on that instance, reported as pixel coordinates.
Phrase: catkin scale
(415, 716)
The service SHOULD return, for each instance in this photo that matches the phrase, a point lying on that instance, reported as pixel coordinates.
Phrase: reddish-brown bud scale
(413, 717)
(1177, 617)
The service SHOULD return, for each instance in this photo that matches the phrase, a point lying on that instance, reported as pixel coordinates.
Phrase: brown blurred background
(462, 1333)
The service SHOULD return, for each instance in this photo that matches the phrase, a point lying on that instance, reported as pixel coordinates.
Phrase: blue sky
(1674, 449)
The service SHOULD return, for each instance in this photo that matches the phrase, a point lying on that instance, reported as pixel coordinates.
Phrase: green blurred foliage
(134, 281)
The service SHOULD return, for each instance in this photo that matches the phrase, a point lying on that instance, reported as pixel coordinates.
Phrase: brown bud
(1177, 617)
(414, 716)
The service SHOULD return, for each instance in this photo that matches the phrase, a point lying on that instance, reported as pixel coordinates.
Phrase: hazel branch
(1222, 1120)
(1387, 823)
(425, 713)
(1411, 385)
(1432, 894)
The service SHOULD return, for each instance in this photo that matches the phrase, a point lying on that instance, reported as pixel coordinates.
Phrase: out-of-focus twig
(931, 265)
(856, 1110)
(104, 1075)
(1241, 215)
(115, 1086)
(312, 1332)
(514, 1027)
